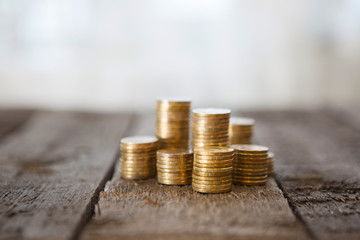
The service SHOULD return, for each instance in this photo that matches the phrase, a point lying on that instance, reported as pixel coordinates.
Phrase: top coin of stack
(241, 130)
(212, 172)
(250, 164)
(174, 167)
(172, 123)
(210, 128)
(138, 157)
(270, 159)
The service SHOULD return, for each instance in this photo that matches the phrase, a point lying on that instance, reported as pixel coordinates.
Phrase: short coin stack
(270, 159)
(174, 167)
(212, 172)
(173, 122)
(138, 157)
(210, 128)
(250, 164)
(241, 130)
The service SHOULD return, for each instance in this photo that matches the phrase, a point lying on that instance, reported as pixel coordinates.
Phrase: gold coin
(211, 191)
(200, 168)
(214, 151)
(224, 177)
(165, 170)
(138, 140)
(249, 155)
(212, 174)
(212, 186)
(174, 164)
(248, 178)
(174, 153)
(179, 174)
(213, 166)
(250, 183)
(200, 161)
(211, 111)
(250, 148)
(264, 169)
(177, 183)
(249, 162)
(250, 175)
(211, 182)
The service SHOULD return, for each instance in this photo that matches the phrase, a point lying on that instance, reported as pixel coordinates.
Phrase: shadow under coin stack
(270, 159)
(212, 172)
(173, 122)
(138, 157)
(250, 164)
(210, 128)
(241, 130)
(174, 167)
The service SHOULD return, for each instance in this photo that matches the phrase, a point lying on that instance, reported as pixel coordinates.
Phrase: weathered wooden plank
(349, 116)
(147, 210)
(11, 119)
(51, 171)
(317, 166)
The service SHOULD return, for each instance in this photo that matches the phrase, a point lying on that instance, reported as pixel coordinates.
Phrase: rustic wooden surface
(51, 171)
(11, 120)
(147, 210)
(54, 164)
(317, 167)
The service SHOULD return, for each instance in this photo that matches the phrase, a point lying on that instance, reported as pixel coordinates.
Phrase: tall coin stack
(174, 167)
(138, 157)
(172, 123)
(210, 128)
(250, 164)
(241, 130)
(212, 172)
(270, 159)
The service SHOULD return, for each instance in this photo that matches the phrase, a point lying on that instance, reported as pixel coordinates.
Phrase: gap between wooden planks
(51, 171)
(147, 210)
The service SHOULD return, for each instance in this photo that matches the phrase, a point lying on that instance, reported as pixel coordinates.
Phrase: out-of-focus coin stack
(212, 172)
(210, 128)
(138, 157)
(241, 130)
(250, 164)
(174, 167)
(173, 122)
(270, 159)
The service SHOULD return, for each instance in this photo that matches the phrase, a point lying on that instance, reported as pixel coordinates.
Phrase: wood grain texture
(146, 210)
(51, 172)
(349, 116)
(10, 120)
(317, 165)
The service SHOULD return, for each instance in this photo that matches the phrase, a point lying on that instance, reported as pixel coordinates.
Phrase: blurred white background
(115, 55)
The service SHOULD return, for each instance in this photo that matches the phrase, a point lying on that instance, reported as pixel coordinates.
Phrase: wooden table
(59, 179)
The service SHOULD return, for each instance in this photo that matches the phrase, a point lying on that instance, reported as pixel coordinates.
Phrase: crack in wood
(94, 203)
(294, 209)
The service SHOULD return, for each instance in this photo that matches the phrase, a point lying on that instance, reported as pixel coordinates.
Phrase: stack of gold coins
(212, 172)
(241, 130)
(250, 164)
(210, 128)
(172, 123)
(138, 157)
(174, 167)
(270, 159)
